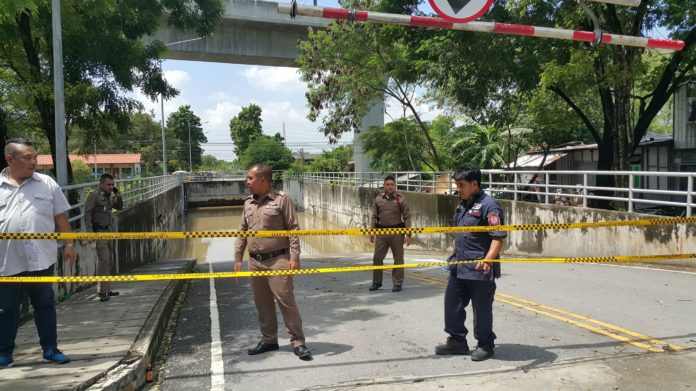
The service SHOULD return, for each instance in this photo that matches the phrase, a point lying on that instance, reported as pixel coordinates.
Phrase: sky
(217, 92)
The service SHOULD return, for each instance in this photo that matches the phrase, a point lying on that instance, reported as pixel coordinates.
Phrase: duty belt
(263, 257)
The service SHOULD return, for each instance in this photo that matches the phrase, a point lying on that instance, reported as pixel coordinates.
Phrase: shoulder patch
(282, 193)
(493, 218)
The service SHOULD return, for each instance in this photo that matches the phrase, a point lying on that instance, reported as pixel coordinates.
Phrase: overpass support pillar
(374, 117)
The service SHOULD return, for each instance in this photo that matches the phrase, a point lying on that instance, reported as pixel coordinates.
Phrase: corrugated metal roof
(534, 160)
(104, 158)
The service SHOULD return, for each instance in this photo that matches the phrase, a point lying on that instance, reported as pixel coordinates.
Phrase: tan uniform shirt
(98, 209)
(273, 211)
(390, 211)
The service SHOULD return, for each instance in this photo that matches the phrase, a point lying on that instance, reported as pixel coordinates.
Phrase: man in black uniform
(473, 282)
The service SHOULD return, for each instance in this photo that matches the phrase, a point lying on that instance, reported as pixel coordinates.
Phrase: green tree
(82, 173)
(211, 163)
(482, 145)
(245, 127)
(348, 67)
(269, 150)
(398, 146)
(335, 160)
(187, 129)
(105, 56)
(614, 92)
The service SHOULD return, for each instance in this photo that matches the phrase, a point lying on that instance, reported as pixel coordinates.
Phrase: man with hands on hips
(264, 210)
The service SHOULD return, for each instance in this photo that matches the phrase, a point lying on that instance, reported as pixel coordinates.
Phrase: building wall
(684, 130)
(351, 206)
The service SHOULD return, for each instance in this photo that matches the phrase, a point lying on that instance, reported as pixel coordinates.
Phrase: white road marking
(217, 367)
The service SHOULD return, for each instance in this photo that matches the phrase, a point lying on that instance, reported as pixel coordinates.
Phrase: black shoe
(262, 347)
(452, 346)
(113, 293)
(396, 288)
(303, 353)
(482, 353)
(103, 297)
(375, 286)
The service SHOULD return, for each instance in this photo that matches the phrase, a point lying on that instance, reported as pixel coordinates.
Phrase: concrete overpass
(253, 33)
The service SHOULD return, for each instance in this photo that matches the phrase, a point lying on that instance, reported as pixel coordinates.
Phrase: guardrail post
(689, 195)
(546, 188)
(514, 179)
(584, 190)
(630, 193)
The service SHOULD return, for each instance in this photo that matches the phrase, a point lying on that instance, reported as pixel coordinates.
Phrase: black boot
(452, 346)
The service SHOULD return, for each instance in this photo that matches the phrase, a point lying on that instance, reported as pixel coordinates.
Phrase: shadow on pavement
(517, 353)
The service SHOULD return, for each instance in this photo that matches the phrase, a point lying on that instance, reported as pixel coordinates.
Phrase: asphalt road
(545, 316)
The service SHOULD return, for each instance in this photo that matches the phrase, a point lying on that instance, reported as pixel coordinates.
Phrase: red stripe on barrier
(584, 36)
(606, 38)
(665, 44)
(421, 21)
(515, 29)
(361, 16)
(335, 13)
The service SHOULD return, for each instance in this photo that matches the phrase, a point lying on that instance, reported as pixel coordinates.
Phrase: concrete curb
(129, 374)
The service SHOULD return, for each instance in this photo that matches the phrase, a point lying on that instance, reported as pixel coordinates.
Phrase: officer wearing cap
(97, 218)
(389, 210)
(268, 209)
(473, 282)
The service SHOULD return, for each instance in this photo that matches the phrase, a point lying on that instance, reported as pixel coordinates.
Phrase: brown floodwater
(227, 218)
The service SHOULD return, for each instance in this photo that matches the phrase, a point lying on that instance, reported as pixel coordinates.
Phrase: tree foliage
(105, 57)
(335, 160)
(188, 134)
(245, 127)
(269, 150)
(348, 67)
(398, 146)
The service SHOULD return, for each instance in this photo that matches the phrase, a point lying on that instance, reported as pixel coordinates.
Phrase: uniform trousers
(269, 290)
(42, 300)
(458, 294)
(104, 263)
(382, 245)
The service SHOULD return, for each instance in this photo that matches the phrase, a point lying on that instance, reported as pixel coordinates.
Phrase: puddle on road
(227, 218)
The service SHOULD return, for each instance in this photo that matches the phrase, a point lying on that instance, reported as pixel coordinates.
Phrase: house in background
(120, 165)
(654, 153)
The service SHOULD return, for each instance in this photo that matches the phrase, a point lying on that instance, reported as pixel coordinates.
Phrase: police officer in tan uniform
(389, 210)
(268, 209)
(97, 218)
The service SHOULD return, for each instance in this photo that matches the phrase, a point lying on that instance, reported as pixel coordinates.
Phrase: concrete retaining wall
(216, 193)
(351, 207)
(161, 213)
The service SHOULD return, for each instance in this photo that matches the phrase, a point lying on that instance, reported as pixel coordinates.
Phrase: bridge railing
(134, 191)
(672, 193)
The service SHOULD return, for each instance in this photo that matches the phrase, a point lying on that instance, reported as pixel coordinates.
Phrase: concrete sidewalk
(110, 343)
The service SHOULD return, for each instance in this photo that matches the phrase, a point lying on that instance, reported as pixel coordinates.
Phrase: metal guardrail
(134, 191)
(643, 190)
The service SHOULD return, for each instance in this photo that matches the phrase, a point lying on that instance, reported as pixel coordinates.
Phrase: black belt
(96, 227)
(263, 257)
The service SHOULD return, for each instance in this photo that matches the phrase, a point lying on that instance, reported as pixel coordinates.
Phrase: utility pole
(164, 139)
(285, 139)
(188, 122)
(61, 163)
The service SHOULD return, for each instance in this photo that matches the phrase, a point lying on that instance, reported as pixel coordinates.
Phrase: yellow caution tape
(327, 232)
(191, 276)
